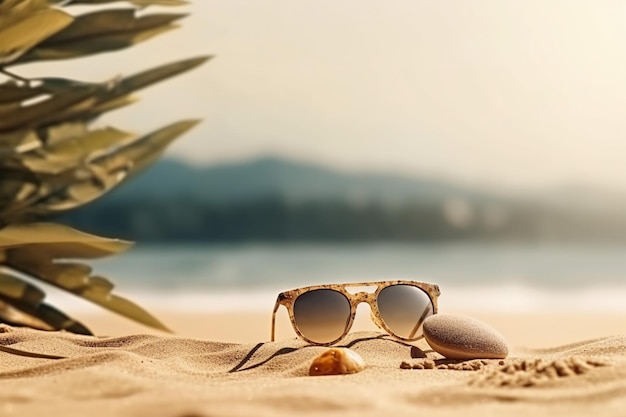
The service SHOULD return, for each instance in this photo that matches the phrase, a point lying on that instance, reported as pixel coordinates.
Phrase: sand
(223, 365)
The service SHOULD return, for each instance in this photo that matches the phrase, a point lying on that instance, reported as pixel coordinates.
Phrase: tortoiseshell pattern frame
(287, 299)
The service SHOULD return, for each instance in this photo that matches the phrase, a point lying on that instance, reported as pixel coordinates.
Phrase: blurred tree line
(277, 219)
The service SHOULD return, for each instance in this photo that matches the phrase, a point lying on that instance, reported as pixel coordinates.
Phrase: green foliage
(53, 160)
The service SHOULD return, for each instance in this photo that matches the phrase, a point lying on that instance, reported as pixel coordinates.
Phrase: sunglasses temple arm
(274, 319)
(420, 321)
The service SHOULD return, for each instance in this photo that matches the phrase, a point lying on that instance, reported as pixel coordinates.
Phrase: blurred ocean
(472, 276)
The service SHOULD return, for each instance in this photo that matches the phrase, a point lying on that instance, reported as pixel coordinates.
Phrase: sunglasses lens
(322, 315)
(403, 309)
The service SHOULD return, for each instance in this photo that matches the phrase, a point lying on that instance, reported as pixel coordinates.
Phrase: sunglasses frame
(288, 298)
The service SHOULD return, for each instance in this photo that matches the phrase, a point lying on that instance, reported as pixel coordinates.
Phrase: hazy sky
(509, 92)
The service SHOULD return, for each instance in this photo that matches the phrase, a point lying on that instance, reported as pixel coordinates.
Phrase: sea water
(472, 276)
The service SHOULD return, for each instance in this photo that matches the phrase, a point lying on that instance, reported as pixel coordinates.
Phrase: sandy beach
(223, 365)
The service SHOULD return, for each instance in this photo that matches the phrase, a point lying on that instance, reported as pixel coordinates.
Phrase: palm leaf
(20, 36)
(40, 113)
(19, 290)
(118, 94)
(107, 171)
(37, 249)
(75, 278)
(102, 31)
(21, 303)
(86, 181)
(58, 241)
(107, 22)
(73, 152)
(17, 8)
(10, 92)
(145, 150)
(139, 3)
(18, 142)
(154, 75)
(76, 100)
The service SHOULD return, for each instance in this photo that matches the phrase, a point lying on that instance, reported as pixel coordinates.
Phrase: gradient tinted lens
(404, 308)
(322, 315)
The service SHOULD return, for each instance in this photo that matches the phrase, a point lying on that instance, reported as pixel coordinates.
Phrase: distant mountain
(280, 178)
(254, 201)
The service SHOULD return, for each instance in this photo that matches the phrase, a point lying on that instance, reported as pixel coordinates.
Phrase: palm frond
(52, 158)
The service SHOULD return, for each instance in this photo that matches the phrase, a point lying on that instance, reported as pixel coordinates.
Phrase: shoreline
(532, 330)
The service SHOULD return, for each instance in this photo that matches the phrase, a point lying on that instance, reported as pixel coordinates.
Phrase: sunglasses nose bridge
(363, 297)
(369, 298)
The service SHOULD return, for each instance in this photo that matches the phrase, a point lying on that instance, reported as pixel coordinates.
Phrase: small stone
(337, 361)
(460, 337)
(417, 353)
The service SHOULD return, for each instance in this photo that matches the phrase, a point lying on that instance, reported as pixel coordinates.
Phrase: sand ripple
(168, 376)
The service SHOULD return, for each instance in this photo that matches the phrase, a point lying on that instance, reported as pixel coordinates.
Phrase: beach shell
(337, 361)
(460, 337)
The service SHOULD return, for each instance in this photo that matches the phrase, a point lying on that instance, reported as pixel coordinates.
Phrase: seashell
(460, 337)
(337, 361)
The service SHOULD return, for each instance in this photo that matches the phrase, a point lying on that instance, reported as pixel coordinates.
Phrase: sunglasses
(323, 314)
